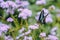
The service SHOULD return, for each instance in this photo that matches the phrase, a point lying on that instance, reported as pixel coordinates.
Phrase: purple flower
(49, 19)
(1, 1)
(21, 30)
(28, 32)
(4, 5)
(51, 37)
(43, 34)
(25, 14)
(35, 26)
(40, 2)
(10, 19)
(4, 27)
(27, 38)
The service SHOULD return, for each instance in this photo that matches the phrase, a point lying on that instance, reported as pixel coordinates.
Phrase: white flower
(51, 37)
(52, 7)
(43, 34)
(35, 26)
(10, 19)
(40, 2)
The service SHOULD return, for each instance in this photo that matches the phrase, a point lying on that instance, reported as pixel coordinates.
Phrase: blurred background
(18, 20)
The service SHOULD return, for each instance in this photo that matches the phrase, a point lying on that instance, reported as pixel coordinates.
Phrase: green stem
(26, 24)
(15, 21)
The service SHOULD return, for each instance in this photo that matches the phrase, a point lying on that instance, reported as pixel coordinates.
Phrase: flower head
(35, 26)
(43, 34)
(4, 27)
(10, 19)
(25, 14)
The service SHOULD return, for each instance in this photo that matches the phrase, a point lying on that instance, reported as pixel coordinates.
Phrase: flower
(53, 33)
(42, 34)
(20, 35)
(28, 32)
(10, 19)
(25, 4)
(4, 28)
(21, 30)
(1, 1)
(54, 29)
(49, 19)
(25, 13)
(35, 26)
(27, 38)
(46, 11)
(20, 9)
(51, 37)
(11, 4)
(4, 5)
(40, 2)
(52, 7)
(8, 38)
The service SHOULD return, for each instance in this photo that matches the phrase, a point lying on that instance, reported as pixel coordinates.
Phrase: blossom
(42, 34)
(49, 19)
(11, 4)
(28, 32)
(51, 37)
(58, 15)
(23, 34)
(20, 9)
(3, 28)
(9, 11)
(8, 38)
(20, 35)
(25, 13)
(24, 4)
(54, 29)
(1, 1)
(35, 26)
(40, 2)
(27, 38)
(21, 30)
(52, 7)
(4, 5)
(53, 33)
(10, 19)
(46, 11)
